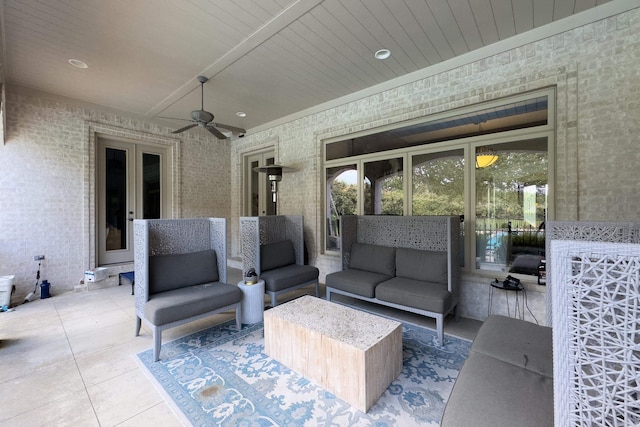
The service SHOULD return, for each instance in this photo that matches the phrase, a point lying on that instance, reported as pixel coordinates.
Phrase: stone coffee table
(353, 354)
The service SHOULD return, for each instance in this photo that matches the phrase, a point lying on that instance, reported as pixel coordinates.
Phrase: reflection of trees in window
(438, 184)
(342, 199)
(383, 187)
(345, 198)
(511, 205)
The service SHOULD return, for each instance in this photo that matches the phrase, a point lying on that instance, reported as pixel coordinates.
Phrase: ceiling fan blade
(172, 118)
(185, 128)
(216, 132)
(231, 128)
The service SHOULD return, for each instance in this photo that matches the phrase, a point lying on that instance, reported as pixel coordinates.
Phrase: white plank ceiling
(268, 58)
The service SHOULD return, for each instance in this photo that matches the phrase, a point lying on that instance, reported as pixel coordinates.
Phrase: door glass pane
(511, 206)
(254, 189)
(151, 200)
(383, 187)
(116, 198)
(438, 183)
(342, 199)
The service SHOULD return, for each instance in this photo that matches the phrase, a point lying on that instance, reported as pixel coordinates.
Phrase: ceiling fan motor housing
(201, 116)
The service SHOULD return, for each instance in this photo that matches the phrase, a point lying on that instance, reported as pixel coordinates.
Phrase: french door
(131, 183)
(258, 200)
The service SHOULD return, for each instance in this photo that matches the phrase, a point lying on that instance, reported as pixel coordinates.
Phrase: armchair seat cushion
(518, 342)
(427, 296)
(490, 392)
(359, 282)
(170, 306)
(285, 277)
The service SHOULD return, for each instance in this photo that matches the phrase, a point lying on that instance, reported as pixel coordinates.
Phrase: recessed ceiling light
(241, 114)
(383, 54)
(77, 63)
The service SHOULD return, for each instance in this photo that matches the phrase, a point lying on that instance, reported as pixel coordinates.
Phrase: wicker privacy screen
(596, 333)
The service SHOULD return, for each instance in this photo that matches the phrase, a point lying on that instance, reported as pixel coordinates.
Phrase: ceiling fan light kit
(204, 119)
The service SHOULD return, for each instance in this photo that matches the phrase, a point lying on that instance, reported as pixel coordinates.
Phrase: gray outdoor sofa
(507, 379)
(181, 270)
(408, 263)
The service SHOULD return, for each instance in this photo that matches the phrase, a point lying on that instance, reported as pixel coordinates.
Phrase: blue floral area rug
(221, 376)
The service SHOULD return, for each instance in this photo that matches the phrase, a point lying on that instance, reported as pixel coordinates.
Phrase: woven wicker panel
(218, 242)
(261, 230)
(140, 231)
(596, 327)
(417, 232)
(622, 232)
(250, 242)
(272, 229)
(177, 236)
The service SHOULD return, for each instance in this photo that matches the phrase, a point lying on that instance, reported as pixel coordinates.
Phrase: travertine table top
(350, 326)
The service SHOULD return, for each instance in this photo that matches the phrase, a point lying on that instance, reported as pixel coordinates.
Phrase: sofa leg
(274, 300)
(157, 343)
(328, 296)
(440, 329)
(138, 325)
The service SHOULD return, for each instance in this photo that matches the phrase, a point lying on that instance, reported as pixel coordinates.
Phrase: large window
(488, 164)
(342, 199)
(384, 187)
(437, 183)
(511, 206)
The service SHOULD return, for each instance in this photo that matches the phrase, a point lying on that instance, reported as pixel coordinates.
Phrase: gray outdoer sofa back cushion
(374, 258)
(174, 271)
(276, 255)
(428, 266)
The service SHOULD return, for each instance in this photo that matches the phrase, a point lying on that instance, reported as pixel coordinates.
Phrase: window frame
(467, 144)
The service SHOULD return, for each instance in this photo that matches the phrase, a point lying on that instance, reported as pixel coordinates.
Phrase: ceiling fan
(204, 119)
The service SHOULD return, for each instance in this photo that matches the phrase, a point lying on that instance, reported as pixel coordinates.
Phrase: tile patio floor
(67, 360)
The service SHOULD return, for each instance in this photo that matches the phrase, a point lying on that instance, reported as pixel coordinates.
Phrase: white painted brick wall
(47, 184)
(46, 177)
(596, 69)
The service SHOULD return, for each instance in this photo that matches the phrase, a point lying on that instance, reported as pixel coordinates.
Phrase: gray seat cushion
(179, 304)
(373, 258)
(492, 393)
(276, 255)
(427, 266)
(526, 264)
(285, 277)
(428, 296)
(173, 271)
(357, 282)
(518, 342)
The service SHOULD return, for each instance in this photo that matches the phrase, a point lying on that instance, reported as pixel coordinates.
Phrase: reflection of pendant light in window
(485, 156)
